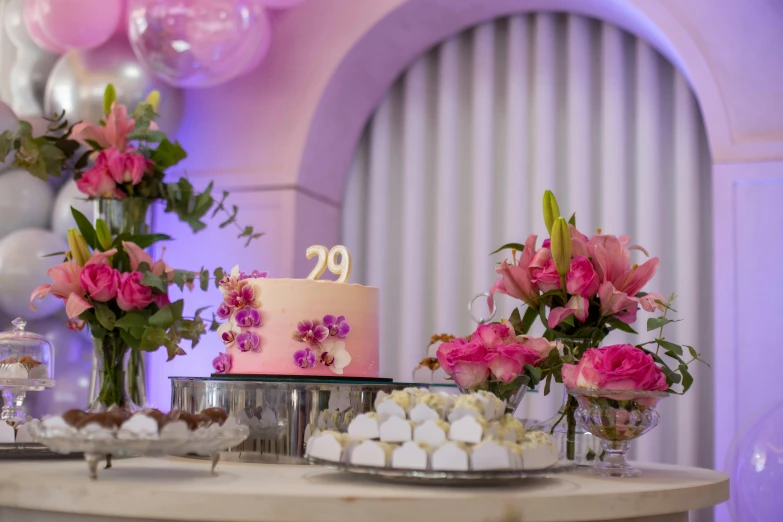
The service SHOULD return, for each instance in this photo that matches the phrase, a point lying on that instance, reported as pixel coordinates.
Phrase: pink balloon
(122, 26)
(199, 43)
(79, 24)
(33, 24)
(280, 4)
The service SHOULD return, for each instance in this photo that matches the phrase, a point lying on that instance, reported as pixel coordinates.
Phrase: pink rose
(460, 351)
(546, 277)
(492, 335)
(100, 281)
(132, 295)
(618, 367)
(98, 183)
(506, 362)
(582, 278)
(126, 167)
(538, 344)
(470, 374)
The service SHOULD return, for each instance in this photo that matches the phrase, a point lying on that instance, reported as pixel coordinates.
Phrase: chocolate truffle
(73, 417)
(218, 415)
(158, 415)
(103, 419)
(184, 416)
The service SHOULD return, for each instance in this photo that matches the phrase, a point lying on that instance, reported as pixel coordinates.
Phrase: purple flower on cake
(248, 318)
(255, 274)
(335, 356)
(224, 311)
(247, 341)
(304, 358)
(242, 296)
(228, 337)
(337, 326)
(312, 332)
(222, 363)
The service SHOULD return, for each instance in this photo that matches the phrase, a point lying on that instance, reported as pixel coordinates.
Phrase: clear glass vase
(512, 392)
(574, 443)
(616, 417)
(118, 375)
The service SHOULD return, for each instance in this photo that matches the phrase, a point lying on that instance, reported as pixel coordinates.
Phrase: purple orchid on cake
(248, 318)
(322, 336)
(222, 363)
(304, 358)
(311, 332)
(337, 326)
(248, 341)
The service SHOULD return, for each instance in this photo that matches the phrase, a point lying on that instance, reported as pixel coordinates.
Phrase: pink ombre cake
(297, 327)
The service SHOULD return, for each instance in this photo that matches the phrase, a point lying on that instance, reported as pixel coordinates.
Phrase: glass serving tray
(447, 478)
(203, 441)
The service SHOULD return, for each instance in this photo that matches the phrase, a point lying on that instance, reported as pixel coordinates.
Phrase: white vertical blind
(456, 159)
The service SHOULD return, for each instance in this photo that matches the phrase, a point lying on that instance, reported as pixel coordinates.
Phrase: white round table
(183, 489)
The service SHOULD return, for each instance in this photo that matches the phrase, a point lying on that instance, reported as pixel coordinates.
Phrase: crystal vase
(511, 392)
(118, 375)
(616, 417)
(574, 443)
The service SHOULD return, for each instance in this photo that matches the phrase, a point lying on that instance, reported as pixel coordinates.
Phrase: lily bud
(551, 210)
(80, 252)
(153, 98)
(561, 246)
(109, 97)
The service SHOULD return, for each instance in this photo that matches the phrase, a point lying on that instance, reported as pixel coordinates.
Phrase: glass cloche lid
(26, 359)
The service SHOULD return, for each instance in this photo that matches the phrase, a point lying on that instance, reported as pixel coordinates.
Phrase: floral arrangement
(494, 359)
(581, 289)
(107, 280)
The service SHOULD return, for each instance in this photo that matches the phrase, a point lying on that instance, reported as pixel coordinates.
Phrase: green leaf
(572, 219)
(109, 97)
(201, 310)
(103, 235)
(534, 373)
(218, 274)
(152, 339)
(654, 323)
(153, 281)
(204, 279)
(619, 325)
(152, 136)
(166, 316)
(692, 351)
(669, 346)
(141, 240)
(85, 228)
(179, 278)
(133, 342)
(531, 314)
(104, 315)
(687, 378)
(548, 384)
(516, 246)
(516, 321)
(168, 154)
(133, 320)
(54, 254)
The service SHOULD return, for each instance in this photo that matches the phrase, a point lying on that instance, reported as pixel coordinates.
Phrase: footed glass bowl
(616, 417)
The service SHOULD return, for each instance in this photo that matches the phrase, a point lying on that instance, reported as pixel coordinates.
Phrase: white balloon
(23, 268)
(8, 121)
(69, 196)
(13, 18)
(25, 202)
(28, 78)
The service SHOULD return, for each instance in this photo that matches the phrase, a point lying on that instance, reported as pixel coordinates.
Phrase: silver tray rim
(443, 477)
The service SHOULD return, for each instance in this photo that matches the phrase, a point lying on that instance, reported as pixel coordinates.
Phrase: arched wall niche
(386, 49)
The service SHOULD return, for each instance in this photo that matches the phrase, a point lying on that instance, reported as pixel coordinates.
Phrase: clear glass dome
(26, 359)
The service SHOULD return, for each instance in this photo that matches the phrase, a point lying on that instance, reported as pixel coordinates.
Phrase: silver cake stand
(282, 413)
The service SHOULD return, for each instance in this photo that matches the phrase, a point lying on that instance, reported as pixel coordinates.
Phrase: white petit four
(490, 455)
(139, 426)
(467, 429)
(539, 450)
(23, 432)
(348, 418)
(493, 407)
(56, 426)
(452, 456)
(508, 428)
(176, 430)
(327, 445)
(467, 406)
(433, 432)
(364, 426)
(395, 429)
(409, 456)
(7, 433)
(421, 413)
(372, 453)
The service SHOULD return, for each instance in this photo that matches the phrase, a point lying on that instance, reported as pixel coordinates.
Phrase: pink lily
(613, 263)
(649, 303)
(113, 134)
(138, 256)
(618, 304)
(515, 280)
(65, 286)
(576, 306)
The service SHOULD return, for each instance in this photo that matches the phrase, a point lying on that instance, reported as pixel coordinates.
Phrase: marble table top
(184, 489)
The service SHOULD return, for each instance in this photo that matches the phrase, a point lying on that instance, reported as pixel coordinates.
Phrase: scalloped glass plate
(447, 478)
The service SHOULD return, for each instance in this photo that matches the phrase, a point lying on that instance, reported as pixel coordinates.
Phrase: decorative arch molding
(369, 68)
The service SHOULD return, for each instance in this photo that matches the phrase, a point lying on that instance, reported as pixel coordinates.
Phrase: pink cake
(297, 327)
